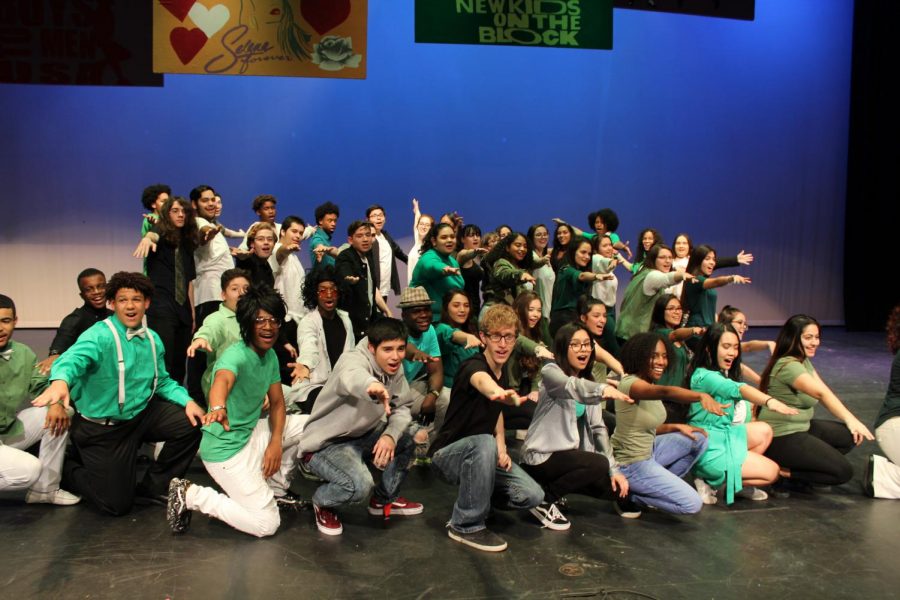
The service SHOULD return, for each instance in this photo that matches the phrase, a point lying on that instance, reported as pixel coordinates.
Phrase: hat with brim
(413, 297)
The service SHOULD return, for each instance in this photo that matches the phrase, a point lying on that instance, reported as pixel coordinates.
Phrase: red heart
(179, 8)
(325, 15)
(187, 43)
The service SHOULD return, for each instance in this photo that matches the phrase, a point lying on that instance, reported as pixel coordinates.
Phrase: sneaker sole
(458, 538)
(403, 512)
(627, 514)
(179, 520)
(548, 523)
(329, 531)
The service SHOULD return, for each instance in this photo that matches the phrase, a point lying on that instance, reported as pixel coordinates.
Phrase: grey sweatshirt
(555, 428)
(344, 409)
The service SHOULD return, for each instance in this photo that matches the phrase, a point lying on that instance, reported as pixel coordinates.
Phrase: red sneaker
(400, 506)
(327, 522)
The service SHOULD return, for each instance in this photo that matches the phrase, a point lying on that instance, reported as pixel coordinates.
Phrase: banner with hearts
(294, 38)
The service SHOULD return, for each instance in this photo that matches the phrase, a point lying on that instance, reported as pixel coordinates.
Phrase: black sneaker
(785, 488)
(177, 512)
(550, 516)
(483, 539)
(143, 496)
(869, 477)
(291, 502)
(626, 508)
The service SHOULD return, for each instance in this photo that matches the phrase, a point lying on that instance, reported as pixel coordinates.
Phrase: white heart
(209, 20)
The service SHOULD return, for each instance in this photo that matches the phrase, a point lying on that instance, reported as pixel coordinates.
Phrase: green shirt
(567, 288)
(429, 274)
(452, 354)
(781, 387)
(221, 330)
(674, 375)
(19, 381)
(637, 307)
(253, 376)
(636, 426)
(700, 303)
(90, 368)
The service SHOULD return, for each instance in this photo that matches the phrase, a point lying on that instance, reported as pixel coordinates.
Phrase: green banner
(550, 23)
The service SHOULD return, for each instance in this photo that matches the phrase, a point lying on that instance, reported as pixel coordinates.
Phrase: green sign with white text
(549, 23)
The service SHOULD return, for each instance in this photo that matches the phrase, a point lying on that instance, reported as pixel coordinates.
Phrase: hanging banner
(294, 38)
(549, 23)
(76, 43)
(726, 9)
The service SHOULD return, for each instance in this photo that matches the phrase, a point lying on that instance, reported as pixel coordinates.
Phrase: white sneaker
(753, 493)
(550, 516)
(707, 493)
(58, 497)
(521, 434)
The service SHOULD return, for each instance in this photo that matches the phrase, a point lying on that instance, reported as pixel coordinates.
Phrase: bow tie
(141, 333)
(6, 354)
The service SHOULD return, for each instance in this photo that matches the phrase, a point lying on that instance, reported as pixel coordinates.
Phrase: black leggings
(572, 472)
(815, 456)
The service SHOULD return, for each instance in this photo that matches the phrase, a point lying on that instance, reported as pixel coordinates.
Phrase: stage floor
(833, 544)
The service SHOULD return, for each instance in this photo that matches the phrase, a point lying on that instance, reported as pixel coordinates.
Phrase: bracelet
(767, 401)
(435, 392)
(215, 408)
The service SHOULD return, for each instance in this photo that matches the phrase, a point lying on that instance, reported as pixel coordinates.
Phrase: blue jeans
(471, 463)
(347, 478)
(656, 482)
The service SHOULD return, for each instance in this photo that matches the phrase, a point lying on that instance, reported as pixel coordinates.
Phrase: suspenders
(120, 358)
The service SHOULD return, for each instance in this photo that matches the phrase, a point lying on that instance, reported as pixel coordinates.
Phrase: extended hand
(195, 413)
(198, 344)
(383, 451)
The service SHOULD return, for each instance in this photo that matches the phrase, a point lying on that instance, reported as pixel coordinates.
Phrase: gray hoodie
(344, 409)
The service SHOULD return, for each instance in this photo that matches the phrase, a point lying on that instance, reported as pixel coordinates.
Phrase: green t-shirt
(700, 302)
(567, 288)
(20, 381)
(636, 426)
(452, 354)
(784, 373)
(253, 376)
(674, 375)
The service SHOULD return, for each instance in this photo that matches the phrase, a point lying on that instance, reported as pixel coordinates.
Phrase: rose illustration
(333, 53)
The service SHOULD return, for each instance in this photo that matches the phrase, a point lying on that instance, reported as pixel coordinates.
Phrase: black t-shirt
(335, 335)
(469, 412)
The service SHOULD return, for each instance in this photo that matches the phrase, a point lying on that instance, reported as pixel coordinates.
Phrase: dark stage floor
(834, 544)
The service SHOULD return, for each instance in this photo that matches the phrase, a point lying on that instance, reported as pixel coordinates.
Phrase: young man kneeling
(252, 459)
(361, 416)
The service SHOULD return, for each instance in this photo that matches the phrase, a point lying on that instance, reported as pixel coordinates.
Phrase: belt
(107, 421)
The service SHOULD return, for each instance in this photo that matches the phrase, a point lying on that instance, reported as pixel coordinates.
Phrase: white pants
(886, 479)
(249, 505)
(19, 470)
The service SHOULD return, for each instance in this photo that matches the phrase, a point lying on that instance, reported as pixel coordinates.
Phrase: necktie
(180, 290)
(141, 333)
(6, 354)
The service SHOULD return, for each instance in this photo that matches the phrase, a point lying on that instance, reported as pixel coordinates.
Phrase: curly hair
(257, 298)
(641, 253)
(132, 281)
(152, 192)
(310, 290)
(428, 243)
(187, 234)
(638, 351)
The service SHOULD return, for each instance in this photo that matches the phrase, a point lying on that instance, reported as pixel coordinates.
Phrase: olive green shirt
(781, 386)
(636, 426)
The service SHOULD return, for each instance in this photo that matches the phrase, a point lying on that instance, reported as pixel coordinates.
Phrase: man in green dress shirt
(115, 375)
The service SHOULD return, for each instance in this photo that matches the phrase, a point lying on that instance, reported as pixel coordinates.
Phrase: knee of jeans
(362, 488)
(700, 443)
(535, 494)
(268, 522)
(690, 505)
(485, 446)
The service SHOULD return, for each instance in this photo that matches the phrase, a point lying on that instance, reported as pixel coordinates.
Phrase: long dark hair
(658, 317)
(427, 243)
(530, 236)
(174, 235)
(657, 239)
(574, 245)
(561, 350)
(501, 250)
(697, 255)
(653, 254)
(469, 326)
(706, 355)
(787, 344)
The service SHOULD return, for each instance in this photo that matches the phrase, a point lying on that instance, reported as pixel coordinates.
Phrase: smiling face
(503, 232)
(424, 226)
(579, 352)
(376, 218)
(471, 241)
(682, 247)
(564, 234)
(708, 264)
(658, 362)
(458, 309)
(417, 319)
(728, 350)
(595, 319)
(205, 205)
(583, 255)
(236, 288)
(606, 248)
(664, 260)
(740, 324)
(533, 313)
(265, 331)
(445, 241)
(264, 242)
(92, 290)
(292, 234)
(647, 240)
(541, 238)
(7, 325)
(389, 355)
(810, 340)
(130, 306)
(673, 313)
(518, 248)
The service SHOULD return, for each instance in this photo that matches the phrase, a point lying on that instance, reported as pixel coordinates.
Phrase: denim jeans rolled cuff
(347, 476)
(471, 463)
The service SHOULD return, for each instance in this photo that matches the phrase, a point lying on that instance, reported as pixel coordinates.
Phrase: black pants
(816, 456)
(572, 472)
(197, 365)
(176, 337)
(103, 468)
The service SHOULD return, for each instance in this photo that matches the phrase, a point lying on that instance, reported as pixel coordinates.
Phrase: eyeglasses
(270, 321)
(327, 291)
(674, 309)
(580, 345)
(497, 338)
